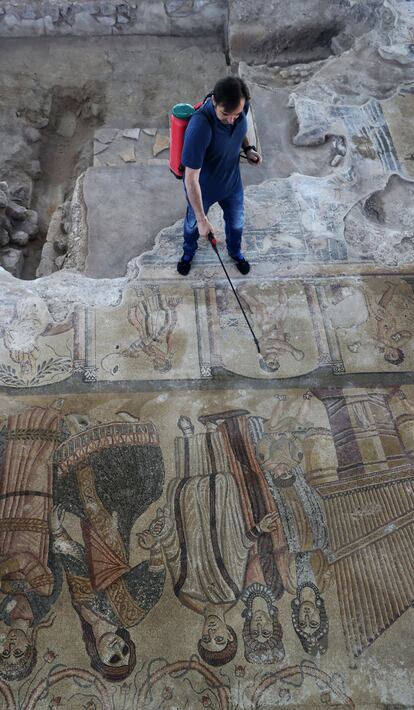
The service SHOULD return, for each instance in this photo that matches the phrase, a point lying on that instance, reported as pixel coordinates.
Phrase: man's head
(218, 643)
(18, 655)
(229, 96)
(262, 632)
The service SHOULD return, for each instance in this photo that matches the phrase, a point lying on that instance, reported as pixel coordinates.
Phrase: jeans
(233, 213)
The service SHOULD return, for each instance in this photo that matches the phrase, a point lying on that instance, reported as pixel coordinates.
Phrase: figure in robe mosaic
(107, 475)
(205, 539)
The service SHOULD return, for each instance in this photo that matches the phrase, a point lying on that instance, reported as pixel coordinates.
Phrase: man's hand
(268, 523)
(146, 540)
(253, 157)
(204, 227)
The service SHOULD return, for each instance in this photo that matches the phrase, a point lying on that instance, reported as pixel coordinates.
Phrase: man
(262, 632)
(213, 140)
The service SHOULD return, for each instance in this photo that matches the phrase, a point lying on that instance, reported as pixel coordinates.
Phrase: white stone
(67, 125)
(12, 260)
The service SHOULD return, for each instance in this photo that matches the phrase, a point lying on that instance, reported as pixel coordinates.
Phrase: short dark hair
(228, 92)
(220, 658)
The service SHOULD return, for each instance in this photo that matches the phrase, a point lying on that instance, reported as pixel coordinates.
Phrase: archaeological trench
(143, 443)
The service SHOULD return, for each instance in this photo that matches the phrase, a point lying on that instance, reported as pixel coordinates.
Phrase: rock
(106, 20)
(12, 260)
(4, 201)
(66, 226)
(28, 13)
(107, 8)
(67, 125)
(106, 135)
(95, 109)
(16, 211)
(5, 188)
(5, 222)
(21, 193)
(42, 122)
(131, 133)
(32, 216)
(60, 260)
(34, 169)
(336, 160)
(122, 20)
(29, 227)
(60, 243)
(32, 134)
(161, 143)
(150, 131)
(20, 238)
(4, 237)
(128, 155)
(99, 147)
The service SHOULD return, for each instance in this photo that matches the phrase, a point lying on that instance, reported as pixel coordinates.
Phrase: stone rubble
(18, 225)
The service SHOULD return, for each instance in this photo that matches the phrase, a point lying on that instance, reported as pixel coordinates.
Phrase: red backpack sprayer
(180, 116)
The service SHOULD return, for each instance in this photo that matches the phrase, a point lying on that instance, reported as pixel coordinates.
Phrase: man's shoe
(184, 266)
(243, 266)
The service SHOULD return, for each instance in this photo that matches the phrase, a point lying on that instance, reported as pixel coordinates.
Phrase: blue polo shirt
(215, 147)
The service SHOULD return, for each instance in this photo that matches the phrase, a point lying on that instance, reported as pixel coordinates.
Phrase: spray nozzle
(212, 239)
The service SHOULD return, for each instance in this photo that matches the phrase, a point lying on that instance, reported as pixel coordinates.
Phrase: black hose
(213, 243)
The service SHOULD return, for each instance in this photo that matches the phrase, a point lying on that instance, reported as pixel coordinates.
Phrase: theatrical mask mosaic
(262, 522)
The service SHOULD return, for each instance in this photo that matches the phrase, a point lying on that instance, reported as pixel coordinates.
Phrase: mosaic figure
(28, 320)
(262, 631)
(155, 319)
(30, 581)
(353, 308)
(302, 564)
(108, 475)
(205, 541)
(270, 314)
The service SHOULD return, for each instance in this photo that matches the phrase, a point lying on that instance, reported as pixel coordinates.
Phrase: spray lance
(213, 242)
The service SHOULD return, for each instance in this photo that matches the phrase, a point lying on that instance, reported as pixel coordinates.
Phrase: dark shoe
(243, 266)
(184, 266)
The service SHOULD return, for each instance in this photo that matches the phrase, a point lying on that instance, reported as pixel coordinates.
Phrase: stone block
(67, 125)
(12, 260)
(19, 238)
(4, 237)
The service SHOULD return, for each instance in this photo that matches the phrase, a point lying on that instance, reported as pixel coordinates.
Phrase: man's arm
(192, 186)
(253, 157)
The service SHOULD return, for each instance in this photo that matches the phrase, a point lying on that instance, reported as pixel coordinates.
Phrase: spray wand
(213, 242)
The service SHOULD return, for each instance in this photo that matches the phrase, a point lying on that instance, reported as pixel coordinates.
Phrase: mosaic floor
(186, 526)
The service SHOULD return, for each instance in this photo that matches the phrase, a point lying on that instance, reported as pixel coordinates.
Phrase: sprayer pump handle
(212, 239)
